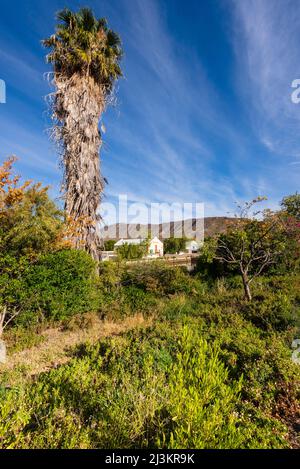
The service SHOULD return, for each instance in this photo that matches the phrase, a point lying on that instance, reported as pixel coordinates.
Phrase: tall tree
(86, 58)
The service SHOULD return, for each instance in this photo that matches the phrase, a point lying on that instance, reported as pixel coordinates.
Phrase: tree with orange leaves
(30, 222)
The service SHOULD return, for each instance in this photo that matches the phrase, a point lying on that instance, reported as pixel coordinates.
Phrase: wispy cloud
(266, 42)
(181, 115)
(176, 134)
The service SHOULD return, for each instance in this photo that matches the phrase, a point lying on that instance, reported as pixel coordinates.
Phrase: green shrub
(20, 338)
(159, 278)
(132, 251)
(109, 245)
(110, 276)
(174, 245)
(202, 401)
(57, 286)
(275, 311)
(138, 300)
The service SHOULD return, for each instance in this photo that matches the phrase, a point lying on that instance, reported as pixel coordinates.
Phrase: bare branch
(6, 317)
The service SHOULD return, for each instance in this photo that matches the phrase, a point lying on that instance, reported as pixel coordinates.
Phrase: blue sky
(203, 114)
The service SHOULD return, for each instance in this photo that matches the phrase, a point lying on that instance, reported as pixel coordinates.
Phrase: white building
(155, 246)
(192, 247)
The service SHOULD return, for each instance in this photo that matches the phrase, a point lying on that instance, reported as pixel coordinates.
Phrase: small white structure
(155, 246)
(192, 247)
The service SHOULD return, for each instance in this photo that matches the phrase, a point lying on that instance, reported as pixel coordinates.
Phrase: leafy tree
(132, 251)
(174, 245)
(291, 205)
(30, 223)
(251, 247)
(109, 245)
(85, 55)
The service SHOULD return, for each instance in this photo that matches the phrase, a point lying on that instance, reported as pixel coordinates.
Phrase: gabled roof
(135, 241)
(156, 240)
(192, 243)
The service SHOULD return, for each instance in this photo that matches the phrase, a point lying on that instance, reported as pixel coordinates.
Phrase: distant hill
(212, 226)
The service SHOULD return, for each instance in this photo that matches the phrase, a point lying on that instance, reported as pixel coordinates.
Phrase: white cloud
(266, 39)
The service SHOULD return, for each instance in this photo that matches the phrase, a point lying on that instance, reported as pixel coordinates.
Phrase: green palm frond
(84, 44)
(50, 42)
(102, 24)
(67, 17)
(87, 20)
(113, 39)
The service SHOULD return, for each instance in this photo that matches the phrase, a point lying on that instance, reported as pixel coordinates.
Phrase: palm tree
(86, 59)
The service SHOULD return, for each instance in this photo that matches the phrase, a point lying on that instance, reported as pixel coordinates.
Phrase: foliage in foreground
(153, 389)
(212, 372)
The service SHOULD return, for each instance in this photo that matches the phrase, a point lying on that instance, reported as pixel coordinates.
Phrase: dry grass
(55, 349)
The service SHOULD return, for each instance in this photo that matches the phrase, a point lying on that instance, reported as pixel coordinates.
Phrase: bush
(109, 245)
(57, 286)
(138, 300)
(159, 278)
(174, 245)
(132, 251)
(272, 311)
(20, 338)
(202, 401)
(110, 276)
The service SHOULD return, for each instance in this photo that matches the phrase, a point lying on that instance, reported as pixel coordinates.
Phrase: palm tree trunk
(79, 103)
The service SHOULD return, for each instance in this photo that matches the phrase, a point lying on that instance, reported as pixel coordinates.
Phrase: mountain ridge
(188, 228)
